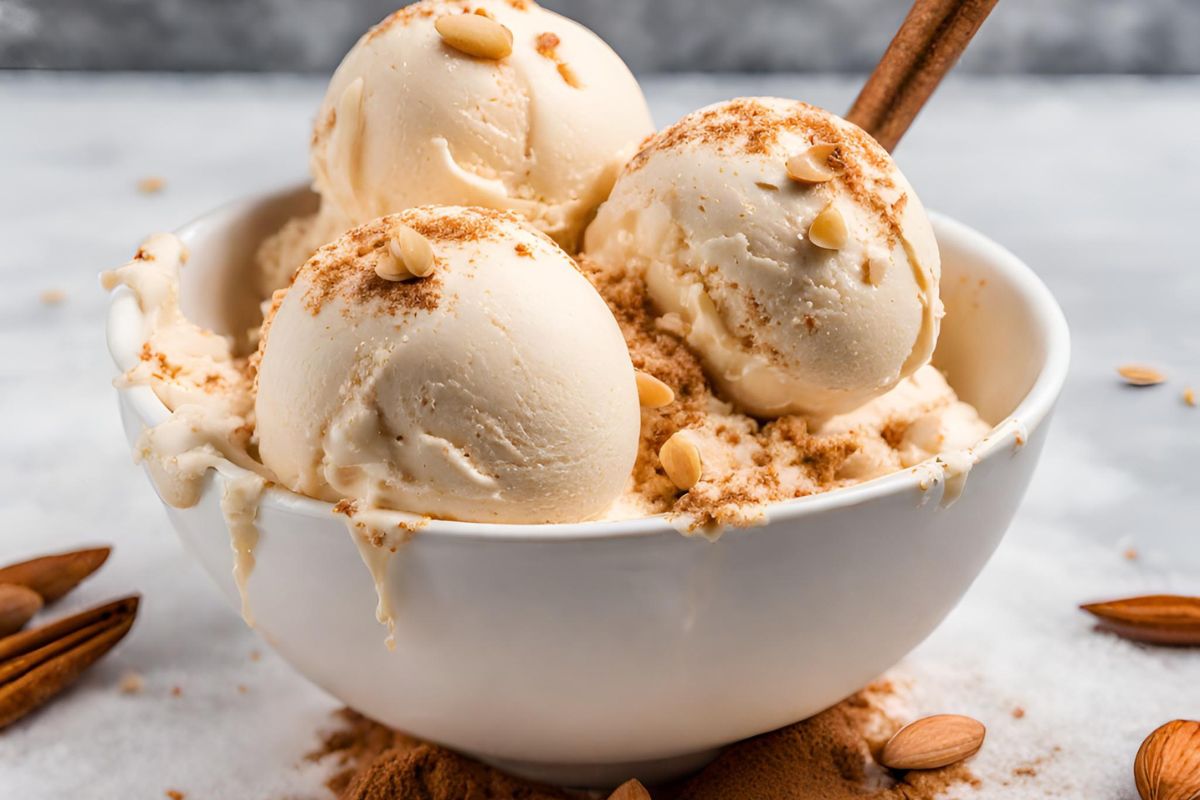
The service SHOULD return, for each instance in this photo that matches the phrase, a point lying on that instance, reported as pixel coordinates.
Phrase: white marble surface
(1091, 181)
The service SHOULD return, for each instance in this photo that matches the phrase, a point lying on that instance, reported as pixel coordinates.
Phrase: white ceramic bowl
(587, 653)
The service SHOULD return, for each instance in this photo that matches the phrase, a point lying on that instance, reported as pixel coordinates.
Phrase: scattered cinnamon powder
(830, 756)
(151, 185)
(345, 268)
(1018, 713)
(175, 794)
(1031, 769)
(547, 47)
(733, 488)
(176, 691)
(547, 44)
(407, 14)
(893, 432)
(749, 126)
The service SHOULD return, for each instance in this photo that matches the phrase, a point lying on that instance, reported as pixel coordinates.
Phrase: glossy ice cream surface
(807, 287)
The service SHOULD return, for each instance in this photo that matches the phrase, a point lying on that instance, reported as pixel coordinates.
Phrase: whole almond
(408, 255)
(813, 164)
(1167, 765)
(475, 35)
(54, 576)
(680, 459)
(1155, 619)
(18, 604)
(630, 790)
(652, 393)
(1140, 375)
(828, 231)
(933, 742)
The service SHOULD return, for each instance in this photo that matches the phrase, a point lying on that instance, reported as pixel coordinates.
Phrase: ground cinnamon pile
(373, 762)
(830, 756)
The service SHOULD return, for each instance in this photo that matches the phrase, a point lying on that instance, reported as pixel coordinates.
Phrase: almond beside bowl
(590, 653)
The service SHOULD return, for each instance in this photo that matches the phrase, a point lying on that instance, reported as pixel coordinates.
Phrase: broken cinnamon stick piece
(54, 576)
(934, 34)
(36, 665)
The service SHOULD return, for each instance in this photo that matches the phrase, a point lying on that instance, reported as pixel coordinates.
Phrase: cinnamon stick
(37, 665)
(931, 39)
(54, 576)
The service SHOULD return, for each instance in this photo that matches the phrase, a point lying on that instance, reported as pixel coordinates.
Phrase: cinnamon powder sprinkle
(724, 496)
(746, 125)
(830, 756)
(547, 47)
(546, 44)
(346, 269)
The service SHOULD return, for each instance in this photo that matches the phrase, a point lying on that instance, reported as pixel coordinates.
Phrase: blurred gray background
(1035, 36)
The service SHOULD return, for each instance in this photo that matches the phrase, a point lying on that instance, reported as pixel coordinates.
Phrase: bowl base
(605, 776)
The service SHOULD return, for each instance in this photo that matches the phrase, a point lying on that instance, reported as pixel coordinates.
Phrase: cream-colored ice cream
(282, 253)
(497, 388)
(919, 419)
(192, 370)
(747, 463)
(411, 119)
(794, 254)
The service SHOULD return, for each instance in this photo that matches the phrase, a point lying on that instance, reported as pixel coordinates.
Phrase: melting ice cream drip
(194, 372)
(953, 467)
(239, 504)
(379, 535)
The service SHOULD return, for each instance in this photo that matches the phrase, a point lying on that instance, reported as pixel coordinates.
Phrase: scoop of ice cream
(797, 259)
(496, 388)
(412, 118)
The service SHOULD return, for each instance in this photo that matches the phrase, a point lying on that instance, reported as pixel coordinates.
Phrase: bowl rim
(124, 337)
